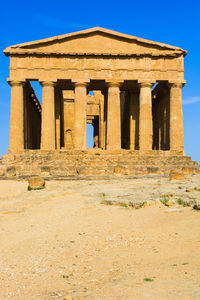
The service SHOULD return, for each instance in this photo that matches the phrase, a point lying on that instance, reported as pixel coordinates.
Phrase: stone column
(176, 117)
(105, 108)
(48, 135)
(113, 117)
(58, 97)
(145, 117)
(16, 141)
(80, 116)
(101, 123)
(156, 120)
(134, 120)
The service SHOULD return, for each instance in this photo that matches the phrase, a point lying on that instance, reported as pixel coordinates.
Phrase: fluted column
(101, 123)
(80, 116)
(113, 117)
(145, 117)
(58, 99)
(48, 134)
(134, 120)
(176, 117)
(16, 140)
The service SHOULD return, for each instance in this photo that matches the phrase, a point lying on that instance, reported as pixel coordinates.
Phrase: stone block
(80, 164)
(11, 171)
(152, 170)
(2, 172)
(118, 170)
(187, 171)
(36, 183)
(197, 171)
(45, 170)
(176, 174)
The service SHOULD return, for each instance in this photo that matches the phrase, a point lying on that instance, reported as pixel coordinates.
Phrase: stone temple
(128, 88)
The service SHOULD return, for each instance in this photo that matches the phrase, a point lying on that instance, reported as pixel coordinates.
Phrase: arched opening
(90, 136)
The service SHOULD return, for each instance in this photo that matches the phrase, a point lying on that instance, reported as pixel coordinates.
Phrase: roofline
(91, 30)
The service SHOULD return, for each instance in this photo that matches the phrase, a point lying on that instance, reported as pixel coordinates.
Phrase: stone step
(99, 159)
(104, 165)
(71, 163)
(66, 164)
(56, 154)
(48, 168)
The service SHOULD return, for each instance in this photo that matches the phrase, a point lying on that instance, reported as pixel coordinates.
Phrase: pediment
(95, 41)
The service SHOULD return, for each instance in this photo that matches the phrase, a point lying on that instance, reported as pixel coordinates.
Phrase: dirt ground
(88, 240)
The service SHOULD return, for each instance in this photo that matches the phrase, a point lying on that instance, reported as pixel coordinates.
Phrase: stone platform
(94, 163)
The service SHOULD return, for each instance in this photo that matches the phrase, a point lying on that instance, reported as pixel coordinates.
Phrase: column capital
(47, 83)
(114, 83)
(178, 84)
(146, 83)
(16, 82)
(80, 84)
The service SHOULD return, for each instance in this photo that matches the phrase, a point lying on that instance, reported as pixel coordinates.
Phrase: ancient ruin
(134, 105)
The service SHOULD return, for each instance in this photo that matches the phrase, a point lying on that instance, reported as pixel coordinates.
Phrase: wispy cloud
(58, 23)
(191, 100)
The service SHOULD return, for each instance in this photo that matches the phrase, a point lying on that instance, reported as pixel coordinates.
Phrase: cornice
(28, 52)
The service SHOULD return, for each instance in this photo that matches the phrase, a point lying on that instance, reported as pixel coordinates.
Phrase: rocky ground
(136, 239)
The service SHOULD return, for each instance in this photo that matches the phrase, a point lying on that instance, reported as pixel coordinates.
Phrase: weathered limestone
(36, 183)
(68, 119)
(176, 174)
(16, 142)
(104, 135)
(98, 163)
(134, 121)
(101, 124)
(110, 64)
(58, 99)
(176, 117)
(145, 118)
(113, 117)
(80, 130)
(103, 78)
(48, 141)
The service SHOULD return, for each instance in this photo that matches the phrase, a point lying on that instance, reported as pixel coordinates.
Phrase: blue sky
(172, 22)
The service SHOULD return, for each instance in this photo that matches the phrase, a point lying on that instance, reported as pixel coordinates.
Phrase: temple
(128, 88)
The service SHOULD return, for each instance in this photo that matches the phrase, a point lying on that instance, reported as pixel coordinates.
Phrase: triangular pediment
(95, 41)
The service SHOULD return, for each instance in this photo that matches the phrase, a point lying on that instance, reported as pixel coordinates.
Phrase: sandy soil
(68, 242)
